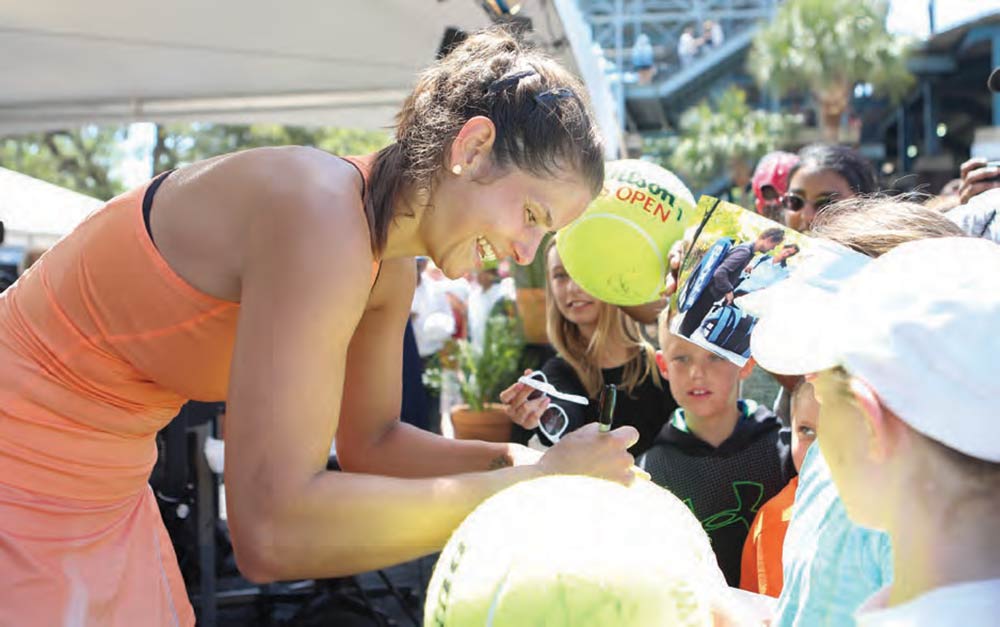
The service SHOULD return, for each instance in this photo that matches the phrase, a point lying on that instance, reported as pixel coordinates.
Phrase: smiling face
(477, 216)
(812, 189)
(703, 383)
(573, 303)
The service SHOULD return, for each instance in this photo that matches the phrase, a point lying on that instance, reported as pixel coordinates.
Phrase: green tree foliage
(482, 373)
(180, 144)
(80, 160)
(84, 159)
(825, 47)
(729, 137)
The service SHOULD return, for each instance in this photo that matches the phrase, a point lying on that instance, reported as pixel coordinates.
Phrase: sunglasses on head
(794, 202)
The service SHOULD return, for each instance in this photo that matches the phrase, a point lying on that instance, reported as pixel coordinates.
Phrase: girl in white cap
(904, 353)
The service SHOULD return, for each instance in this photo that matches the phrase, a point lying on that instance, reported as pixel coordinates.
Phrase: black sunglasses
(769, 192)
(795, 202)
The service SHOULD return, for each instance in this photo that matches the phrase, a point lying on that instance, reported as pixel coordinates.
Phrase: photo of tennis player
(766, 270)
(731, 253)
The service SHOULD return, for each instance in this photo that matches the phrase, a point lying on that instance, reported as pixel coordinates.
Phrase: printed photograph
(732, 253)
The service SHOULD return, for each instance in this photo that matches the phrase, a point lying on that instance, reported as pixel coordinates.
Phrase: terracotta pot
(531, 308)
(491, 424)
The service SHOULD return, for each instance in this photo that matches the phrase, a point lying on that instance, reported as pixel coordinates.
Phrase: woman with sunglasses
(597, 343)
(825, 173)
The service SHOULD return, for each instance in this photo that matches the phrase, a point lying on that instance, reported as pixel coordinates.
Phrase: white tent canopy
(36, 214)
(311, 62)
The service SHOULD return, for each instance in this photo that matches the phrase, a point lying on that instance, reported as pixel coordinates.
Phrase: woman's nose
(524, 252)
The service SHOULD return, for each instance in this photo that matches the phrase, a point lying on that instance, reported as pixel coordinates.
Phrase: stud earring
(456, 169)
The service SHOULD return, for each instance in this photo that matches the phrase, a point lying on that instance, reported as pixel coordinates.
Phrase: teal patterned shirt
(830, 565)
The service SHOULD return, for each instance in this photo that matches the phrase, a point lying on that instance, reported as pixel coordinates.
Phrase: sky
(136, 165)
(906, 17)
(910, 17)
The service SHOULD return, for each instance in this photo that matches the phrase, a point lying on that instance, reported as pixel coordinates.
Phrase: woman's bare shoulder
(308, 203)
(290, 207)
(279, 173)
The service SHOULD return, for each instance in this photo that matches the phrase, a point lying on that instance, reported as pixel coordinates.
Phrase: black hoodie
(724, 486)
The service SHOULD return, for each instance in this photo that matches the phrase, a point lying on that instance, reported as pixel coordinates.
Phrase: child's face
(845, 444)
(573, 303)
(701, 382)
(805, 420)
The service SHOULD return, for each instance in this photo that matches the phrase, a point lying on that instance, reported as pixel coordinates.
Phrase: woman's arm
(735, 260)
(304, 289)
(370, 437)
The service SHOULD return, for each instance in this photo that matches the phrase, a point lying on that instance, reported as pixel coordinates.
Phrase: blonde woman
(596, 344)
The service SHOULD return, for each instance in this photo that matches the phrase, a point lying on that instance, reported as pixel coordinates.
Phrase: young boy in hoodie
(723, 456)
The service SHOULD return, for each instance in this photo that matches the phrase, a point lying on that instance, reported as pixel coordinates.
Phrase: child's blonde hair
(583, 356)
(663, 321)
(875, 225)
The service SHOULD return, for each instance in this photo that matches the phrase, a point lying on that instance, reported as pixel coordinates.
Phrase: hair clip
(559, 93)
(504, 82)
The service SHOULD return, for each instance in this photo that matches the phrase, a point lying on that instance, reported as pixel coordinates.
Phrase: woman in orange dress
(279, 280)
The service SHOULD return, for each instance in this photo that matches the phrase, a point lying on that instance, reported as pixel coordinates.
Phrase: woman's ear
(747, 369)
(471, 147)
(876, 419)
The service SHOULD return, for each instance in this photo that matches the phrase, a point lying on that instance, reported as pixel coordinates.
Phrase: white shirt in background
(716, 37)
(687, 47)
(978, 217)
(971, 604)
(433, 321)
(509, 288)
(459, 288)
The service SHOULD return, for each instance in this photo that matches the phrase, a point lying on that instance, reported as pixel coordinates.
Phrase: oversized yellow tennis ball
(575, 551)
(617, 250)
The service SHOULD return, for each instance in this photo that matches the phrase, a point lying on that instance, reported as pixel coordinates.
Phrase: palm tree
(726, 137)
(828, 46)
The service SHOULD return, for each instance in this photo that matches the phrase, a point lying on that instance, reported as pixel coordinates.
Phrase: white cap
(920, 324)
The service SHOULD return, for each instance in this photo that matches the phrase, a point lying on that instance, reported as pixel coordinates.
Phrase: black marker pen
(606, 407)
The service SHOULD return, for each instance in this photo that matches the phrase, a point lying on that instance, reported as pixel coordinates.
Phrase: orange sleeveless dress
(100, 345)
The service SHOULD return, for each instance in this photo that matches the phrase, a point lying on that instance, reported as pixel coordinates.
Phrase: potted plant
(530, 282)
(482, 374)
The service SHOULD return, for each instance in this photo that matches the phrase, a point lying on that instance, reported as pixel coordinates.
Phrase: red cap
(772, 170)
